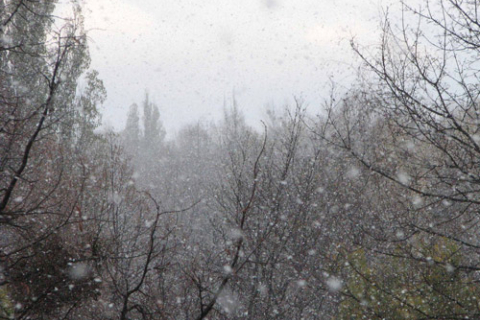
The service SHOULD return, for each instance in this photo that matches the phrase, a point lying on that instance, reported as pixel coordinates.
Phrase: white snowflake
(334, 284)
(227, 269)
(79, 270)
(403, 177)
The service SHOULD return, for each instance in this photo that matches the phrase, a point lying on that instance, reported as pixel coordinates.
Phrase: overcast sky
(191, 55)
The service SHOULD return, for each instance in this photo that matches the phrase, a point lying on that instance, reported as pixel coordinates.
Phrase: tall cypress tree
(132, 130)
(154, 133)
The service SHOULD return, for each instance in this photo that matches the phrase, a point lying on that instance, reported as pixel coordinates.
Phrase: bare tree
(415, 127)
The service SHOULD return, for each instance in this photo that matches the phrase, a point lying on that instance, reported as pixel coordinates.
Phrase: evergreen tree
(144, 146)
(86, 116)
(154, 133)
(132, 130)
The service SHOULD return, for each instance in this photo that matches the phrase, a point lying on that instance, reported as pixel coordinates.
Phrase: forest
(368, 211)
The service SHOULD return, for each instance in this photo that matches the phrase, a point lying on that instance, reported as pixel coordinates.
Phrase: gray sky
(192, 54)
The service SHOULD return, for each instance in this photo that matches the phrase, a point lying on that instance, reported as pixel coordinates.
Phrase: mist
(265, 159)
